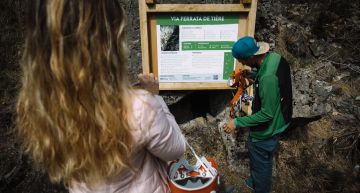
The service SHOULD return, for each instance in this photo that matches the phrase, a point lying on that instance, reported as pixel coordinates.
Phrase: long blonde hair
(73, 107)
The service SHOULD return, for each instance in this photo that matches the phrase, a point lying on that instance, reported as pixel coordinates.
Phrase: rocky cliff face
(320, 39)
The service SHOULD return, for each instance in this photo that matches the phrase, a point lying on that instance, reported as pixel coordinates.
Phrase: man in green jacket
(271, 108)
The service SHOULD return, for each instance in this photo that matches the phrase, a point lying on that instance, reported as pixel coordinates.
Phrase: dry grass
(282, 48)
(309, 164)
(350, 88)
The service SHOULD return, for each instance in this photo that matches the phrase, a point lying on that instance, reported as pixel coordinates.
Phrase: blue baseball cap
(247, 46)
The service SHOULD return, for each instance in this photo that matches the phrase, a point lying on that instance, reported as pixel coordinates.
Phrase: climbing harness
(240, 82)
(246, 98)
(203, 177)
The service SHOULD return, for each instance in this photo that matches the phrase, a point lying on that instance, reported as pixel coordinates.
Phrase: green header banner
(197, 18)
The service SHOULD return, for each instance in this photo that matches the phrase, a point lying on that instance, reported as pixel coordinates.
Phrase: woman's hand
(149, 82)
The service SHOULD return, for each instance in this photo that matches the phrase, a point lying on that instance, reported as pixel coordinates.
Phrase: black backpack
(286, 99)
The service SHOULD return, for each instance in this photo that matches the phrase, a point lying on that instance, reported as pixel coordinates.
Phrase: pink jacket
(157, 139)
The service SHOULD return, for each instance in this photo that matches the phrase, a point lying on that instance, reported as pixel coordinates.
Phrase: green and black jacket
(272, 105)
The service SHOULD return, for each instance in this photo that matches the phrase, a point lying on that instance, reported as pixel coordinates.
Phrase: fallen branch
(350, 66)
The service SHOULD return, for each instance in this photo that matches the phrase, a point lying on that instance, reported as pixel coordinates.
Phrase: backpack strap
(273, 62)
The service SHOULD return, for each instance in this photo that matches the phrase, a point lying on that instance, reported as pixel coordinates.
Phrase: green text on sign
(205, 45)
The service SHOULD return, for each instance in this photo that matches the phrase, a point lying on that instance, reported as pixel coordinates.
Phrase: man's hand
(229, 127)
(149, 82)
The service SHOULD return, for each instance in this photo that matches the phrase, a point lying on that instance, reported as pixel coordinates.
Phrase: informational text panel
(196, 47)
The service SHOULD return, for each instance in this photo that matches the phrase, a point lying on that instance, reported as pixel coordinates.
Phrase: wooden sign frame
(147, 12)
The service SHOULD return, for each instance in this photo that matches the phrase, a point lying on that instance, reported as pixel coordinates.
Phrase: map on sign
(196, 47)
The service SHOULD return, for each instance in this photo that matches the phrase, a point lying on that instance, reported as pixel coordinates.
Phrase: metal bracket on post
(246, 1)
(150, 1)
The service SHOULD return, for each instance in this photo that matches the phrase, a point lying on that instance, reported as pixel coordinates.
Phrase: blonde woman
(78, 117)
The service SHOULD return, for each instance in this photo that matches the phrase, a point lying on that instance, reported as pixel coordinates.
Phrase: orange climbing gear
(239, 81)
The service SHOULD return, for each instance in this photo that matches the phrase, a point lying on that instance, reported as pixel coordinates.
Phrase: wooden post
(251, 32)
(144, 36)
(252, 18)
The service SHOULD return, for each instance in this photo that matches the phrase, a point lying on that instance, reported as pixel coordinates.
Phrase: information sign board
(188, 46)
